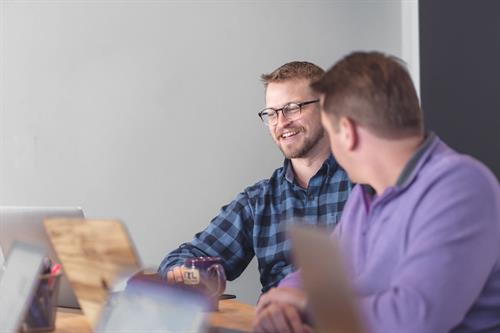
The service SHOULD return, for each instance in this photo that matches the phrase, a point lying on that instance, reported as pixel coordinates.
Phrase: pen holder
(41, 314)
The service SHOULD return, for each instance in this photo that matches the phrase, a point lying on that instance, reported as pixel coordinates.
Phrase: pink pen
(56, 269)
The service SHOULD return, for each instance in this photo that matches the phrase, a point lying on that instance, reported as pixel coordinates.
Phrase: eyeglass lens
(290, 112)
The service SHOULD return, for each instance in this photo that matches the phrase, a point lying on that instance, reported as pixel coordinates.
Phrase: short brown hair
(374, 90)
(293, 70)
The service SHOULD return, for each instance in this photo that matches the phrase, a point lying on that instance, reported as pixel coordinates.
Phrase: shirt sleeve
(292, 280)
(452, 248)
(228, 236)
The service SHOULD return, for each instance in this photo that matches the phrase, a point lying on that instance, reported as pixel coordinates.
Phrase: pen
(54, 271)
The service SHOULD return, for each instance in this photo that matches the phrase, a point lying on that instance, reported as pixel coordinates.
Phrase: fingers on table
(174, 275)
(279, 317)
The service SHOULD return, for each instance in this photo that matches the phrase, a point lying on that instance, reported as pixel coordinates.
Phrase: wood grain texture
(234, 315)
(93, 253)
(71, 321)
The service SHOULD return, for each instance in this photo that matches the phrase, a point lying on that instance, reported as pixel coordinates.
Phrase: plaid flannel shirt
(255, 222)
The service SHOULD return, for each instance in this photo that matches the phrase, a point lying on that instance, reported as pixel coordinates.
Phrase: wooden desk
(71, 321)
(232, 314)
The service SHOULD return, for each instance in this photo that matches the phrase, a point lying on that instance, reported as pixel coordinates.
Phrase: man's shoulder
(266, 186)
(458, 183)
(450, 166)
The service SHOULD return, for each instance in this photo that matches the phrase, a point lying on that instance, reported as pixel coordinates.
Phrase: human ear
(349, 132)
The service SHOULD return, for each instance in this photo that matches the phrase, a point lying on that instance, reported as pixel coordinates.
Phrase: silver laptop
(18, 283)
(26, 224)
(163, 309)
(325, 281)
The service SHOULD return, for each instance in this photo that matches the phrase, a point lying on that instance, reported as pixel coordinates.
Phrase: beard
(305, 147)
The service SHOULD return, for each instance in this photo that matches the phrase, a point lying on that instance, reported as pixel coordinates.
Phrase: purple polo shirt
(425, 255)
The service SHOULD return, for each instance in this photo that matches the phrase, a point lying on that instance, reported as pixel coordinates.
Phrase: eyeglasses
(291, 111)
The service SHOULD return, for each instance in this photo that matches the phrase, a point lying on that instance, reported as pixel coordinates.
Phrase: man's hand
(280, 310)
(280, 318)
(292, 296)
(174, 275)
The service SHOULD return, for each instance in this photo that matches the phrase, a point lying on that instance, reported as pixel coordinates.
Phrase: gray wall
(146, 110)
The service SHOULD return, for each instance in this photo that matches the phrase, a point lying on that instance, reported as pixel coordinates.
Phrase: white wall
(146, 110)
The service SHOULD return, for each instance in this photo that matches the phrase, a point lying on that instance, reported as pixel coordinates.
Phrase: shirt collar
(287, 166)
(329, 165)
(416, 162)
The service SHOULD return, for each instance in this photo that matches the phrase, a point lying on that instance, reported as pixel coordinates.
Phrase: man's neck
(305, 168)
(391, 158)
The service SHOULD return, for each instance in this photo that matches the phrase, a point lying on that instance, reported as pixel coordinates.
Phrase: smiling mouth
(289, 134)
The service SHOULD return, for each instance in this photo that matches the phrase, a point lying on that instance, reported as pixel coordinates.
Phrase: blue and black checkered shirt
(255, 222)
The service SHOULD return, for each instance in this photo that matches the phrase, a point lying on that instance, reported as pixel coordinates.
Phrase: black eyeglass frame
(300, 104)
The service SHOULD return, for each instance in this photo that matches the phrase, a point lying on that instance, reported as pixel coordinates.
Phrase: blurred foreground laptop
(17, 284)
(26, 224)
(95, 254)
(154, 307)
(99, 254)
(325, 281)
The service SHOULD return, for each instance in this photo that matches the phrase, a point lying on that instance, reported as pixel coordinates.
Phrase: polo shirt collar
(417, 161)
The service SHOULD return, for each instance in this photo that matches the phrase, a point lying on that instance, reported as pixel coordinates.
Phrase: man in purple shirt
(421, 237)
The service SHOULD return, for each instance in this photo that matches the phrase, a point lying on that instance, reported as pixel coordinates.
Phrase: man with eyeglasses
(310, 187)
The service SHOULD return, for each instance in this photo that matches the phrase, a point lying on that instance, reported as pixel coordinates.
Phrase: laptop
(325, 281)
(162, 308)
(95, 255)
(98, 255)
(26, 224)
(17, 284)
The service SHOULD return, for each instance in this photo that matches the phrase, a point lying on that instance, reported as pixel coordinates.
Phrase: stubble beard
(305, 147)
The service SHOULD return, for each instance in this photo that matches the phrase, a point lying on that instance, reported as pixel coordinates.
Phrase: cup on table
(207, 275)
(41, 313)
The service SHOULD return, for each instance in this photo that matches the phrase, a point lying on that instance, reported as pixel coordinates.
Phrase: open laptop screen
(162, 308)
(25, 224)
(17, 284)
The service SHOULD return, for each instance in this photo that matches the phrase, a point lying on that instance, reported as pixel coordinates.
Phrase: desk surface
(232, 314)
